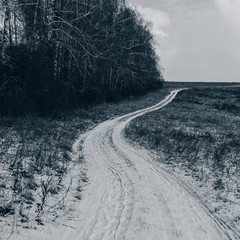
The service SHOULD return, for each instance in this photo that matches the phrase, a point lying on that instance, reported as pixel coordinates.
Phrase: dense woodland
(61, 54)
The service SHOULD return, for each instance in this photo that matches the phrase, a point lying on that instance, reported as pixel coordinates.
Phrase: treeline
(57, 54)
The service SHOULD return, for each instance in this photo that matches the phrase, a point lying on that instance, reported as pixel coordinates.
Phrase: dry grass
(199, 134)
(35, 157)
(34, 160)
(35, 153)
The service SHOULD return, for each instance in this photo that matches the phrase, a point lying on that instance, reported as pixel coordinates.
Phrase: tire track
(131, 197)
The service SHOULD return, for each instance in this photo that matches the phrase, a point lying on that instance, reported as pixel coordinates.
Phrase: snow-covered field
(129, 196)
(196, 138)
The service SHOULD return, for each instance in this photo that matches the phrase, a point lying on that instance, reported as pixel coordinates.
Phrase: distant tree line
(56, 54)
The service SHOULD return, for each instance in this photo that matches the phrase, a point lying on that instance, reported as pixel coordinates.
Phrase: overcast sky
(198, 40)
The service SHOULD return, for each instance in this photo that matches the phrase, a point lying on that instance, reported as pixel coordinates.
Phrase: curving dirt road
(131, 197)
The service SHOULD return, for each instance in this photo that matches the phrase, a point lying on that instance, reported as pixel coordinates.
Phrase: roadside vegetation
(197, 133)
(57, 54)
(197, 138)
(36, 159)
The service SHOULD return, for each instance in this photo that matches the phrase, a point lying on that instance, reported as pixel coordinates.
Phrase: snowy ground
(196, 138)
(129, 196)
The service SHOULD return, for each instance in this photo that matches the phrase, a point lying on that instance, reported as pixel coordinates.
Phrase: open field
(196, 137)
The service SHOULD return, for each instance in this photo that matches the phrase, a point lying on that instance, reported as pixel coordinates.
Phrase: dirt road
(131, 197)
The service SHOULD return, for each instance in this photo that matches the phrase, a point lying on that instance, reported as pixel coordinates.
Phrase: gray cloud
(202, 38)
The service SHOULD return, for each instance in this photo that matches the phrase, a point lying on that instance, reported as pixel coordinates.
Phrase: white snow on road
(130, 197)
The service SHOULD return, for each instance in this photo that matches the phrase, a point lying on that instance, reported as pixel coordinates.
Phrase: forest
(57, 55)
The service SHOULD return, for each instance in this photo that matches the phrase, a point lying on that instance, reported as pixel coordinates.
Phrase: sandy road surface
(130, 197)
